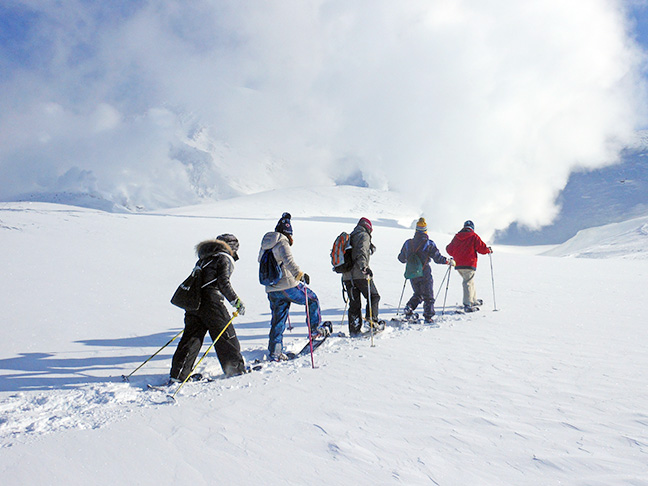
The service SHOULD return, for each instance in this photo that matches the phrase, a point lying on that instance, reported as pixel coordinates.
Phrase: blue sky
(639, 14)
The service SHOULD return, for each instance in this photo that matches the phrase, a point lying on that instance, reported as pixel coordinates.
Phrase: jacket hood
(271, 239)
(420, 236)
(212, 247)
(361, 227)
(465, 233)
(418, 241)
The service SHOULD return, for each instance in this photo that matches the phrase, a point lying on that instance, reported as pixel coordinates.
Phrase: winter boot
(277, 353)
(355, 327)
(377, 325)
(323, 330)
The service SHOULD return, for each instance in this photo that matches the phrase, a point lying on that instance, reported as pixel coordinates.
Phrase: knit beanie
(469, 224)
(284, 226)
(421, 226)
(366, 223)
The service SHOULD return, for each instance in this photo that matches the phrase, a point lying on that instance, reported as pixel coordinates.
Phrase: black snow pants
(212, 317)
(357, 288)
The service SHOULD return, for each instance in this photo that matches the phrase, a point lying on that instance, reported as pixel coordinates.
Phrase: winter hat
(284, 226)
(421, 226)
(469, 224)
(230, 239)
(232, 242)
(366, 223)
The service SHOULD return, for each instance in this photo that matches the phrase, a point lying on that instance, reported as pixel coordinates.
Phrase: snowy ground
(549, 389)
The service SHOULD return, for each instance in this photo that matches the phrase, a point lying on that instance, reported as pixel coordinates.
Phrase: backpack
(187, 295)
(341, 254)
(269, 270)
(413, 267)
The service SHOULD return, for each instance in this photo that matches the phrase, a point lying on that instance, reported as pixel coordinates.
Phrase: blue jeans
(280, 305)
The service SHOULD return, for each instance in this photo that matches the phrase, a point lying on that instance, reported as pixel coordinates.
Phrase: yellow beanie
(421, 225)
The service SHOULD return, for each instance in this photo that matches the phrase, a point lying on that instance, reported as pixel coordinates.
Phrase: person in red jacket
(464, 248)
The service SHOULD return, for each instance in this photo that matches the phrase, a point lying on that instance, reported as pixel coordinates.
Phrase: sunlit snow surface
(549, 389)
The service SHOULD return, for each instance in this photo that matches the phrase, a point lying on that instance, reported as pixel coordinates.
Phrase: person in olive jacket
(216, 258)
(358, 281)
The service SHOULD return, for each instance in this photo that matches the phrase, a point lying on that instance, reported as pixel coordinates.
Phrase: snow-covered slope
(628, 240)
(550, 389)
(324, 203)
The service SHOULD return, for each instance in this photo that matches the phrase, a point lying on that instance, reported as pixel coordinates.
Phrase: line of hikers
(285, 284)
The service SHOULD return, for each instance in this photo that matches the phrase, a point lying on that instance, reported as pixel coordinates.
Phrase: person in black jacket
(216, 257)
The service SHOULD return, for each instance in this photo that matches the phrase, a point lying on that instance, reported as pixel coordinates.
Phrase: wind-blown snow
(550, 389)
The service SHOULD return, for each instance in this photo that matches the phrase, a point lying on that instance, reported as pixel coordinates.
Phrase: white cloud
(492, 103)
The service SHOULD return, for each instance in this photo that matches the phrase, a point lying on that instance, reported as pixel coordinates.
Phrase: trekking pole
(446, 294)
(310, 332)
(290, 328)
(490, 257)
(401, 298)
(442, 281)
(370, 310)
(346, 301)
(126, 377)
(203, 356)
(343, 314)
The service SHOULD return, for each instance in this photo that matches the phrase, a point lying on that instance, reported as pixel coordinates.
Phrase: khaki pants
(469, 294)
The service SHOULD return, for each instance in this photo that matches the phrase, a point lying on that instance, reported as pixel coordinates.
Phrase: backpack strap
(214, 279)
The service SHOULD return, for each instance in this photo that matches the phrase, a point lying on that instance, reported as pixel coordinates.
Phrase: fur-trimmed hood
(212, 247)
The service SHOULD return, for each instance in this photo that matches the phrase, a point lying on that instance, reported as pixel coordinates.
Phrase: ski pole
(290, 328)
(310, 333)
(126, 377)
(203, 356)
(346, 301)
(490, 257)
(401, 297)
(442, 281)
(370, 310)
(446, 294)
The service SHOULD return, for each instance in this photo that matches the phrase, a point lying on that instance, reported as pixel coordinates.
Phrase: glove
(490, 250)
(306, 279)
(367, 271)
(452, 263)
(238, 305)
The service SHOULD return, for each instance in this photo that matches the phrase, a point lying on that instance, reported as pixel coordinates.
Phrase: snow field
(550, 389)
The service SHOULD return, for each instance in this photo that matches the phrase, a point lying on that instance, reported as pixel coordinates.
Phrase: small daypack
(269, 270)
(341, 254)
(413, 267)
(187, 295)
